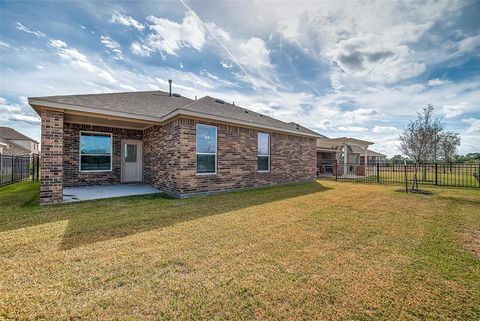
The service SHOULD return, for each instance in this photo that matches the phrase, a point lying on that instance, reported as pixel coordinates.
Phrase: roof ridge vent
(219, 101)
(176, 95)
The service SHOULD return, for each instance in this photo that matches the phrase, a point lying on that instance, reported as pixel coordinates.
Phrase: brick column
(51, 186)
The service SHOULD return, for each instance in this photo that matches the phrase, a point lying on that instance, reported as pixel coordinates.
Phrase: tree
(447, 147)
(418, 140)
(472, 158)
(397, 159)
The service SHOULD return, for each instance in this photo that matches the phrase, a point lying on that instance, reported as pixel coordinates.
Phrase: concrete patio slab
(86, 193)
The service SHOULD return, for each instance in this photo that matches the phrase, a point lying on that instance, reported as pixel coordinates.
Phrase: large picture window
(206, 149)
(95, 152)
(263, 152)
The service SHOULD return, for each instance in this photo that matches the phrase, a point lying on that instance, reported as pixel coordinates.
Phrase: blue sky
(358, 69)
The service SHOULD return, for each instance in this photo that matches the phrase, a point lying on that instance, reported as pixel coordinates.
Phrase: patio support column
(366, 160)
(51, 185)
(345, 159)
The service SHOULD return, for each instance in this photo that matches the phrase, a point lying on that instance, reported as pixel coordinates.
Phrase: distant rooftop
(11, 134)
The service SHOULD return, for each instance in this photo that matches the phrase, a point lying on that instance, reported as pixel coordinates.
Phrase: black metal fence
(19, 168)
(440, 174)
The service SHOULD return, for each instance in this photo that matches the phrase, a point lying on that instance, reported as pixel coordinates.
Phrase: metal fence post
(336, 170)
(37, 173)
(406, 181)
(13, 179)
(436, 174)
(378, 173)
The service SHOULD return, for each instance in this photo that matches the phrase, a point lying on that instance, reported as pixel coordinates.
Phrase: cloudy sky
(344, 69)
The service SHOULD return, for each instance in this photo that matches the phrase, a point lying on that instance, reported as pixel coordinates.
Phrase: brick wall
(172, 162)
(162, 154)
(170, 158)
(51, 189)
(72, 175)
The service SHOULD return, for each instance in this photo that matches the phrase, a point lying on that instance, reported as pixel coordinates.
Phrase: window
(130, 153)
(206, 149)
(263, 152)
(95, 152)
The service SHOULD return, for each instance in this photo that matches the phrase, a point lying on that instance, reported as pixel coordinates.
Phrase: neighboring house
(3, 146)
(15, 143)
(346, 153)
(181, 146)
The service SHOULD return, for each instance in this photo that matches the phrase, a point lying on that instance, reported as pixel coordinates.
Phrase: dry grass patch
(328, 250)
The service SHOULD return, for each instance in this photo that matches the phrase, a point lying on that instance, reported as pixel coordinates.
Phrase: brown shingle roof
(159, 104)
(211, 106)
(11, 134)
(143, 103)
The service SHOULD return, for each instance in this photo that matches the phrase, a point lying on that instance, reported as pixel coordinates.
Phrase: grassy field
(323, 250)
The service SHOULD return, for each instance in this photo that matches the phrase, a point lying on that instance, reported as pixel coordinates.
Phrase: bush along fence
(440, 174)
(19, 168)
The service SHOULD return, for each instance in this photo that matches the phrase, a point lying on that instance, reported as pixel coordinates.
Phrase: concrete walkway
(85, 193)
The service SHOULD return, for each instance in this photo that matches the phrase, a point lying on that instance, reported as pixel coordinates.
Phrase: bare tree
(447, 147)
(418, 140)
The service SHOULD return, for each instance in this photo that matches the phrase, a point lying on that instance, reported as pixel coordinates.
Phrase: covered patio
(344, 150)
(87, 193)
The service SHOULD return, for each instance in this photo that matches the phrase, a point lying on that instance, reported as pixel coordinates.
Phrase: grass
(323, 250)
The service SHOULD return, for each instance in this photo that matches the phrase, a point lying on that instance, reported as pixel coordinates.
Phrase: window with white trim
(95, 152)
(263, 152)
(206, 146)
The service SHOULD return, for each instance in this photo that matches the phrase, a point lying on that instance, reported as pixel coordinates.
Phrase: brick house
(181, 146)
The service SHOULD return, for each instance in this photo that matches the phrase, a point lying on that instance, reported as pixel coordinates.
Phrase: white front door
(132, 161)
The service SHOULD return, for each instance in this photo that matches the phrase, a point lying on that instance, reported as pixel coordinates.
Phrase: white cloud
(4, 44)
(360, 115)
(254, 58)
(437, 82)
(455, 110)
(474, 127)
(375, 58)
(78, 60)
(217, 31)
(381, 42)
(209, 75)
(55, 43)
(169, 36)
(113, 46)
(26, 29)
(469, 44)
(19, 112)
(24, 118)
(254, 53)
(140, 49)
(226, 64)
(126, 21)
(385, 129)
(355, 129)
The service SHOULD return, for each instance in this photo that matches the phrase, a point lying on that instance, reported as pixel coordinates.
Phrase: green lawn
(324, 250)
